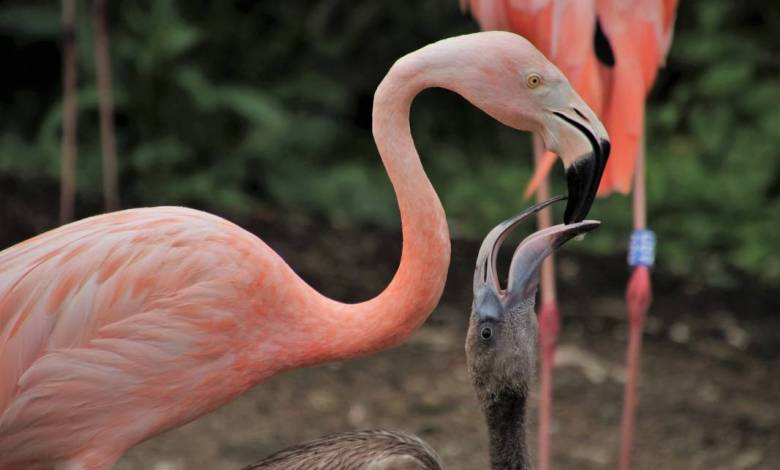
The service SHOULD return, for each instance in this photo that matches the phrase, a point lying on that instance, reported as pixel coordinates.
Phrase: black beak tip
(605, 148)
(584, 175)
(582, 179)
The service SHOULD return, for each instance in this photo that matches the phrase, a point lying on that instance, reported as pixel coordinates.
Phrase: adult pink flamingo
(121, 326)
(611, 51)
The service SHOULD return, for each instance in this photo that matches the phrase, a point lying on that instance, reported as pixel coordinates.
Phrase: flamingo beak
(583, 175)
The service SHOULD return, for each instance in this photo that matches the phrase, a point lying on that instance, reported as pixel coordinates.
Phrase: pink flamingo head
(508, 78)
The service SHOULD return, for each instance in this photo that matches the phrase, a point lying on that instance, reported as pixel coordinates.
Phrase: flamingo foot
(638, 297)
(549, 326)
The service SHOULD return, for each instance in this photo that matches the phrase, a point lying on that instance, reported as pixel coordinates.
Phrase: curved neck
(334, 330)
(505, 415)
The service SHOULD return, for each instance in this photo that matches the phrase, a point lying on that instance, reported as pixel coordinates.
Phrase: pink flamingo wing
(640, 34)
(490, 14)
(80, 314)
(536, 21)
(624, 119)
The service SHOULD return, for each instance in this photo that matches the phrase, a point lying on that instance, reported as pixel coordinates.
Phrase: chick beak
(490, 299)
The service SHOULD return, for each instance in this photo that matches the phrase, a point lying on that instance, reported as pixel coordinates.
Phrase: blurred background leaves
(266, 106)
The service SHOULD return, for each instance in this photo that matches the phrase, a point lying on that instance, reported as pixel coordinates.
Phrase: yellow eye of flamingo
(534, 80)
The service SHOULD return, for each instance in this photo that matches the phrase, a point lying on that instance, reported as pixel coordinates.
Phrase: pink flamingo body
(611, 51)
(124, 325)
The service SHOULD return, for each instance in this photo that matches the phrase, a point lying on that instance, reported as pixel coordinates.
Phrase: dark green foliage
(247, 106)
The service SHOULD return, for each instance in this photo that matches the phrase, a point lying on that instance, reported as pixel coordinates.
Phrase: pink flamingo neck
(333, 330)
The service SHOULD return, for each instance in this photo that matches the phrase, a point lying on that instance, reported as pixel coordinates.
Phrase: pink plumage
(124, 325)
(136, 317)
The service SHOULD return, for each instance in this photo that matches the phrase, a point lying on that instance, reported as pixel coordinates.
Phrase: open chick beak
(581, 141)
(490, 299)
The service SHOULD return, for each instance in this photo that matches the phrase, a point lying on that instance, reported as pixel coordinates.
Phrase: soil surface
(709, 384)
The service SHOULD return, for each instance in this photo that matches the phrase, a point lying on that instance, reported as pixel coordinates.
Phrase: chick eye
(486, 333)
(534, 80)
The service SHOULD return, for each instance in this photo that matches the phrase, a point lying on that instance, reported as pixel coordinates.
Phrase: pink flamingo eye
(534, 80)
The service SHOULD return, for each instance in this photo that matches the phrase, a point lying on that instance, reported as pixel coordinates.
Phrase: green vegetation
(246, 106)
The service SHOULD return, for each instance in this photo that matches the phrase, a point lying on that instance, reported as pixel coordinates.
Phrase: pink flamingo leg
(638, 298)
(549, 324)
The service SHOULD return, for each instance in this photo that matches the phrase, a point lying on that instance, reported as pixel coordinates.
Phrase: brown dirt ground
(709, 386)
